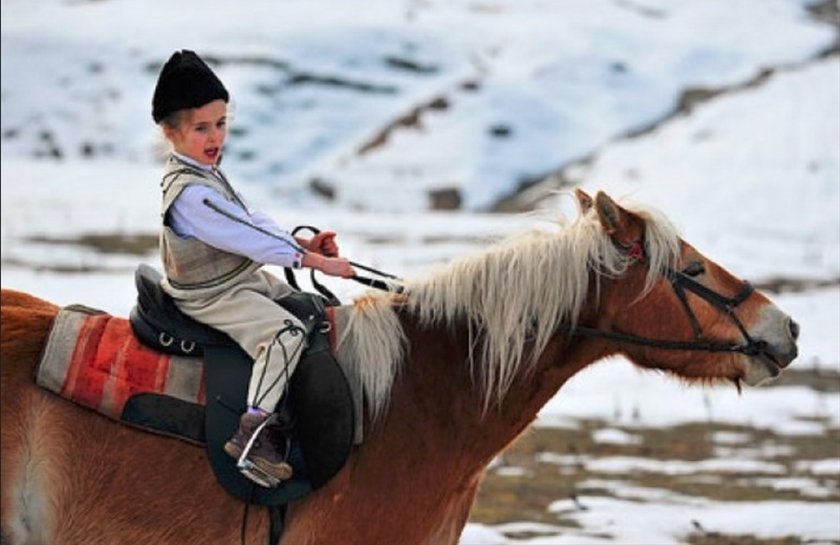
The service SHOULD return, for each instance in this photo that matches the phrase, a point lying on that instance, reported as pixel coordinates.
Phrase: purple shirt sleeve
(201, 212)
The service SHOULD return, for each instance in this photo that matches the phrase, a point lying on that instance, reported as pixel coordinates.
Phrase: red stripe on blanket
(80, 385)
(109, 365)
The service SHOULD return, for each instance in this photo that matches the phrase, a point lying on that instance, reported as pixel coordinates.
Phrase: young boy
(213, 246)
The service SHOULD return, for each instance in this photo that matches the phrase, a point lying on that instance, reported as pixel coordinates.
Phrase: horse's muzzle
(779, 333)
(784, 353)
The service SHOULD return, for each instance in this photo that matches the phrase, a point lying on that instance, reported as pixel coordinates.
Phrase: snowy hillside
(724, 114)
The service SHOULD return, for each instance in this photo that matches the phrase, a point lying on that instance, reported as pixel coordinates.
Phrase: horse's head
(689, 315)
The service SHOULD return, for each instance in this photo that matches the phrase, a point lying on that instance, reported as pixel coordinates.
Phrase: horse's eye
(695, 268)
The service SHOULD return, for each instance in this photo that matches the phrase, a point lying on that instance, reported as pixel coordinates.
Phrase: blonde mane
(518, 290)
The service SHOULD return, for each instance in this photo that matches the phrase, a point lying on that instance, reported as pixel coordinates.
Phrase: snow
(613, 436)
(751, 177)
(608, 521)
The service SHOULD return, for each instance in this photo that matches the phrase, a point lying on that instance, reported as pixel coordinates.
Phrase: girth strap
(277, 518)
(276, 521)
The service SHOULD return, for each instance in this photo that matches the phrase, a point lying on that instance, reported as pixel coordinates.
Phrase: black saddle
(320, 400)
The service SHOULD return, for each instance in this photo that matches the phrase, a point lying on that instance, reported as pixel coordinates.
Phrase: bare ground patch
(105, 243)
(546, 464)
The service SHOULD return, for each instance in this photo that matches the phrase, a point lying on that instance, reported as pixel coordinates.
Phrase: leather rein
(681, 283)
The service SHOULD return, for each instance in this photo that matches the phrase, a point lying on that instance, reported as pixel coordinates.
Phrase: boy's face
(201, 134)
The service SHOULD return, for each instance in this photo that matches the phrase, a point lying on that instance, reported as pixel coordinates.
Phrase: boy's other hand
(324, 244)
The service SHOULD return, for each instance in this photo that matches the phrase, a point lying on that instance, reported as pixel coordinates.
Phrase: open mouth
(212, 153)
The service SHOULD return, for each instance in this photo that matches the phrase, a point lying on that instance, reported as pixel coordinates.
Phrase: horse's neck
(428, 453)
(437, 395)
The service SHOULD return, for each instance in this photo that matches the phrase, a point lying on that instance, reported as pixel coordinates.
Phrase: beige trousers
(248, 314)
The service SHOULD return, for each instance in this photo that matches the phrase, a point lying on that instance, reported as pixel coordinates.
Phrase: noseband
(682, 282)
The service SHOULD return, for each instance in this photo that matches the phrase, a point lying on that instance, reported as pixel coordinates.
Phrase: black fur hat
(185, 81)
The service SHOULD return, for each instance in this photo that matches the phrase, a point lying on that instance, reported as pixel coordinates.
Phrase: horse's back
(25, 321)
(13, 298)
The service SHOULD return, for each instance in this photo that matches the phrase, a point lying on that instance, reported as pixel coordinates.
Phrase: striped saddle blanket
(93, 359)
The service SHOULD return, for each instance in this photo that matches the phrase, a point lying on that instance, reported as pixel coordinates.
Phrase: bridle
(682, 282)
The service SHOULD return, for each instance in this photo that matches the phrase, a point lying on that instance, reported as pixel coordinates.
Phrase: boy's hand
(338, 266)
(333, 266)
(324, 244)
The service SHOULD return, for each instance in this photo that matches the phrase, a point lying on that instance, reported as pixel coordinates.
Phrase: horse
(454, 367)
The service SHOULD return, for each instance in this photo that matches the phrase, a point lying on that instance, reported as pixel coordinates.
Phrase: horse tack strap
(628, 338)
(277, 522)
(682, 282)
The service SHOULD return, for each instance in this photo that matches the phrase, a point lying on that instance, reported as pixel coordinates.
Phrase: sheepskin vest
(195, 270)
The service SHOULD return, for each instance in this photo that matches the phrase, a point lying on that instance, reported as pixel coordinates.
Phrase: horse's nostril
(794, 329)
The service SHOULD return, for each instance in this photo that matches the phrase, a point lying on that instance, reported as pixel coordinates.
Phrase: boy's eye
(695, 268)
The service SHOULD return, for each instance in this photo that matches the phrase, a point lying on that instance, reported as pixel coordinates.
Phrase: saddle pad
(93, 359)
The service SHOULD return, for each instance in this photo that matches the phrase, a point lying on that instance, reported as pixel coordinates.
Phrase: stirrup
(253, 472)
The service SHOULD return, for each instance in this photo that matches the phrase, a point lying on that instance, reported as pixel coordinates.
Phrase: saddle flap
(323, 407)
(228, 370)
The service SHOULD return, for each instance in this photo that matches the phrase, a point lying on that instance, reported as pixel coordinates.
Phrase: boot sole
(281, 470)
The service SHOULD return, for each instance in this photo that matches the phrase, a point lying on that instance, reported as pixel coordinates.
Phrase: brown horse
(453, 369)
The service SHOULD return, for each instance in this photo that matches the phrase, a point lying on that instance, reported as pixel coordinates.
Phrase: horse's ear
(584, 200)
(621, 225)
